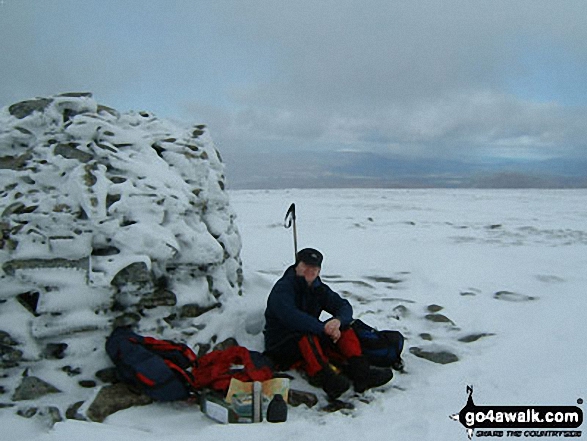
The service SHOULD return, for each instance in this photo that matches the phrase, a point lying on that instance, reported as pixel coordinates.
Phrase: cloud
(427, 72)
(485, 123)
(377, 51)
(424, 78)
(476, 80)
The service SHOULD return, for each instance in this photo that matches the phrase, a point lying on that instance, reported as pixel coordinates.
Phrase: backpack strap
(181, 354)
(186, 375)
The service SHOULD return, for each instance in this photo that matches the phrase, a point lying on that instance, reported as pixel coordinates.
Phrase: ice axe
(290, 219)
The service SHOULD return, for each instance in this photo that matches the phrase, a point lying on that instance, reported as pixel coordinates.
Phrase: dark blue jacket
(294, 308)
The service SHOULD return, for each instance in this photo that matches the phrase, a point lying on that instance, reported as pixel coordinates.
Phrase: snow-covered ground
(509, 265)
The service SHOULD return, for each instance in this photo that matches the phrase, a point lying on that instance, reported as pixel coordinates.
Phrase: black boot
(334, 384)
(364, 376)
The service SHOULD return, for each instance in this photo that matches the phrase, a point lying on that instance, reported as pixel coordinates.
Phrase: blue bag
(159, 368)
(381, 348)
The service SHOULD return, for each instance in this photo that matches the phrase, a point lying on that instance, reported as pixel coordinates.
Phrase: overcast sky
(329, 93)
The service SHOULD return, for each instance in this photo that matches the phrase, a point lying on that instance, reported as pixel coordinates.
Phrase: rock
(55, 351)
(441, 357)
(71, 371)
(10, 355)
(198, 131)
(229, 342)
(160, 297)
(88, 384)
(72, 412)
(32, 388)
(296, 397)
(13, 266)
(27, 412)
(71, 151)
(29, 300)
(107, 375)
(6, 339)
(474, 337)
(194, 310)
(136, 277)
(434, 308)
(52, 414)
(25, 108)
(438, 318)
(203, 349)
(113, 398)
(129, 319)
(49, 415)
(14, 162)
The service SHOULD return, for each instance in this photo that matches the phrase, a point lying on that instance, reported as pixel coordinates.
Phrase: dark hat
(310, 256)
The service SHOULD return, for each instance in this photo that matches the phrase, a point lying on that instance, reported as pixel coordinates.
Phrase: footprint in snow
(509, 296)
(549, 279)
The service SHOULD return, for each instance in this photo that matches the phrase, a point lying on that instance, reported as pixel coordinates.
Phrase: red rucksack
(216, 368)
(169, 371)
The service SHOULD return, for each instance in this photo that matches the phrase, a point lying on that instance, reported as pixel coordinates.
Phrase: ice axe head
(290, 216)
(290, 219)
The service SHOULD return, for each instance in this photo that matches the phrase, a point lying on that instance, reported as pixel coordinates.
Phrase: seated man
(295, 336)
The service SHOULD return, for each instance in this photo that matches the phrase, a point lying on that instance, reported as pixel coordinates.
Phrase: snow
(507, 263)
(152, 175)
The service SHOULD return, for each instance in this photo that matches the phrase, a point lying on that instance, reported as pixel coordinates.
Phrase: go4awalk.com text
(520, 421)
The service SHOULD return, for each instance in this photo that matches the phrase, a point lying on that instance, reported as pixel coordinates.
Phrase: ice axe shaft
(290, 220)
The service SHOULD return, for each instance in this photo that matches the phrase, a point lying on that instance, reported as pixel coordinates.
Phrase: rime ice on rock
(105, 216)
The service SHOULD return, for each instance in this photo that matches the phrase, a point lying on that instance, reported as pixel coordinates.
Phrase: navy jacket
(294, 308)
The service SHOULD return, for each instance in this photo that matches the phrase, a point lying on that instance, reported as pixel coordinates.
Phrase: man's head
(308, 264)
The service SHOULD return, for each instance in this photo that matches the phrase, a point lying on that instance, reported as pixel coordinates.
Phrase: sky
(335, 93)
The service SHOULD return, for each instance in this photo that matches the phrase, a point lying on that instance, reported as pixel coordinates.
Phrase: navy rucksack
(381, 348)
(159, 368)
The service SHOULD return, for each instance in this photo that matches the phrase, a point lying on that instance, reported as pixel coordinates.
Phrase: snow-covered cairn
(106, 219)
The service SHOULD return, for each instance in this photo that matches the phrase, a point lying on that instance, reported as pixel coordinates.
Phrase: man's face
(308, 272)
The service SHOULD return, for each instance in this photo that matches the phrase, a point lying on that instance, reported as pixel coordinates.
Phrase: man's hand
(332, 329)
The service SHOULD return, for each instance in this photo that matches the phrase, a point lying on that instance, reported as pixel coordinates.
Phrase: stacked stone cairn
(107, 219)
